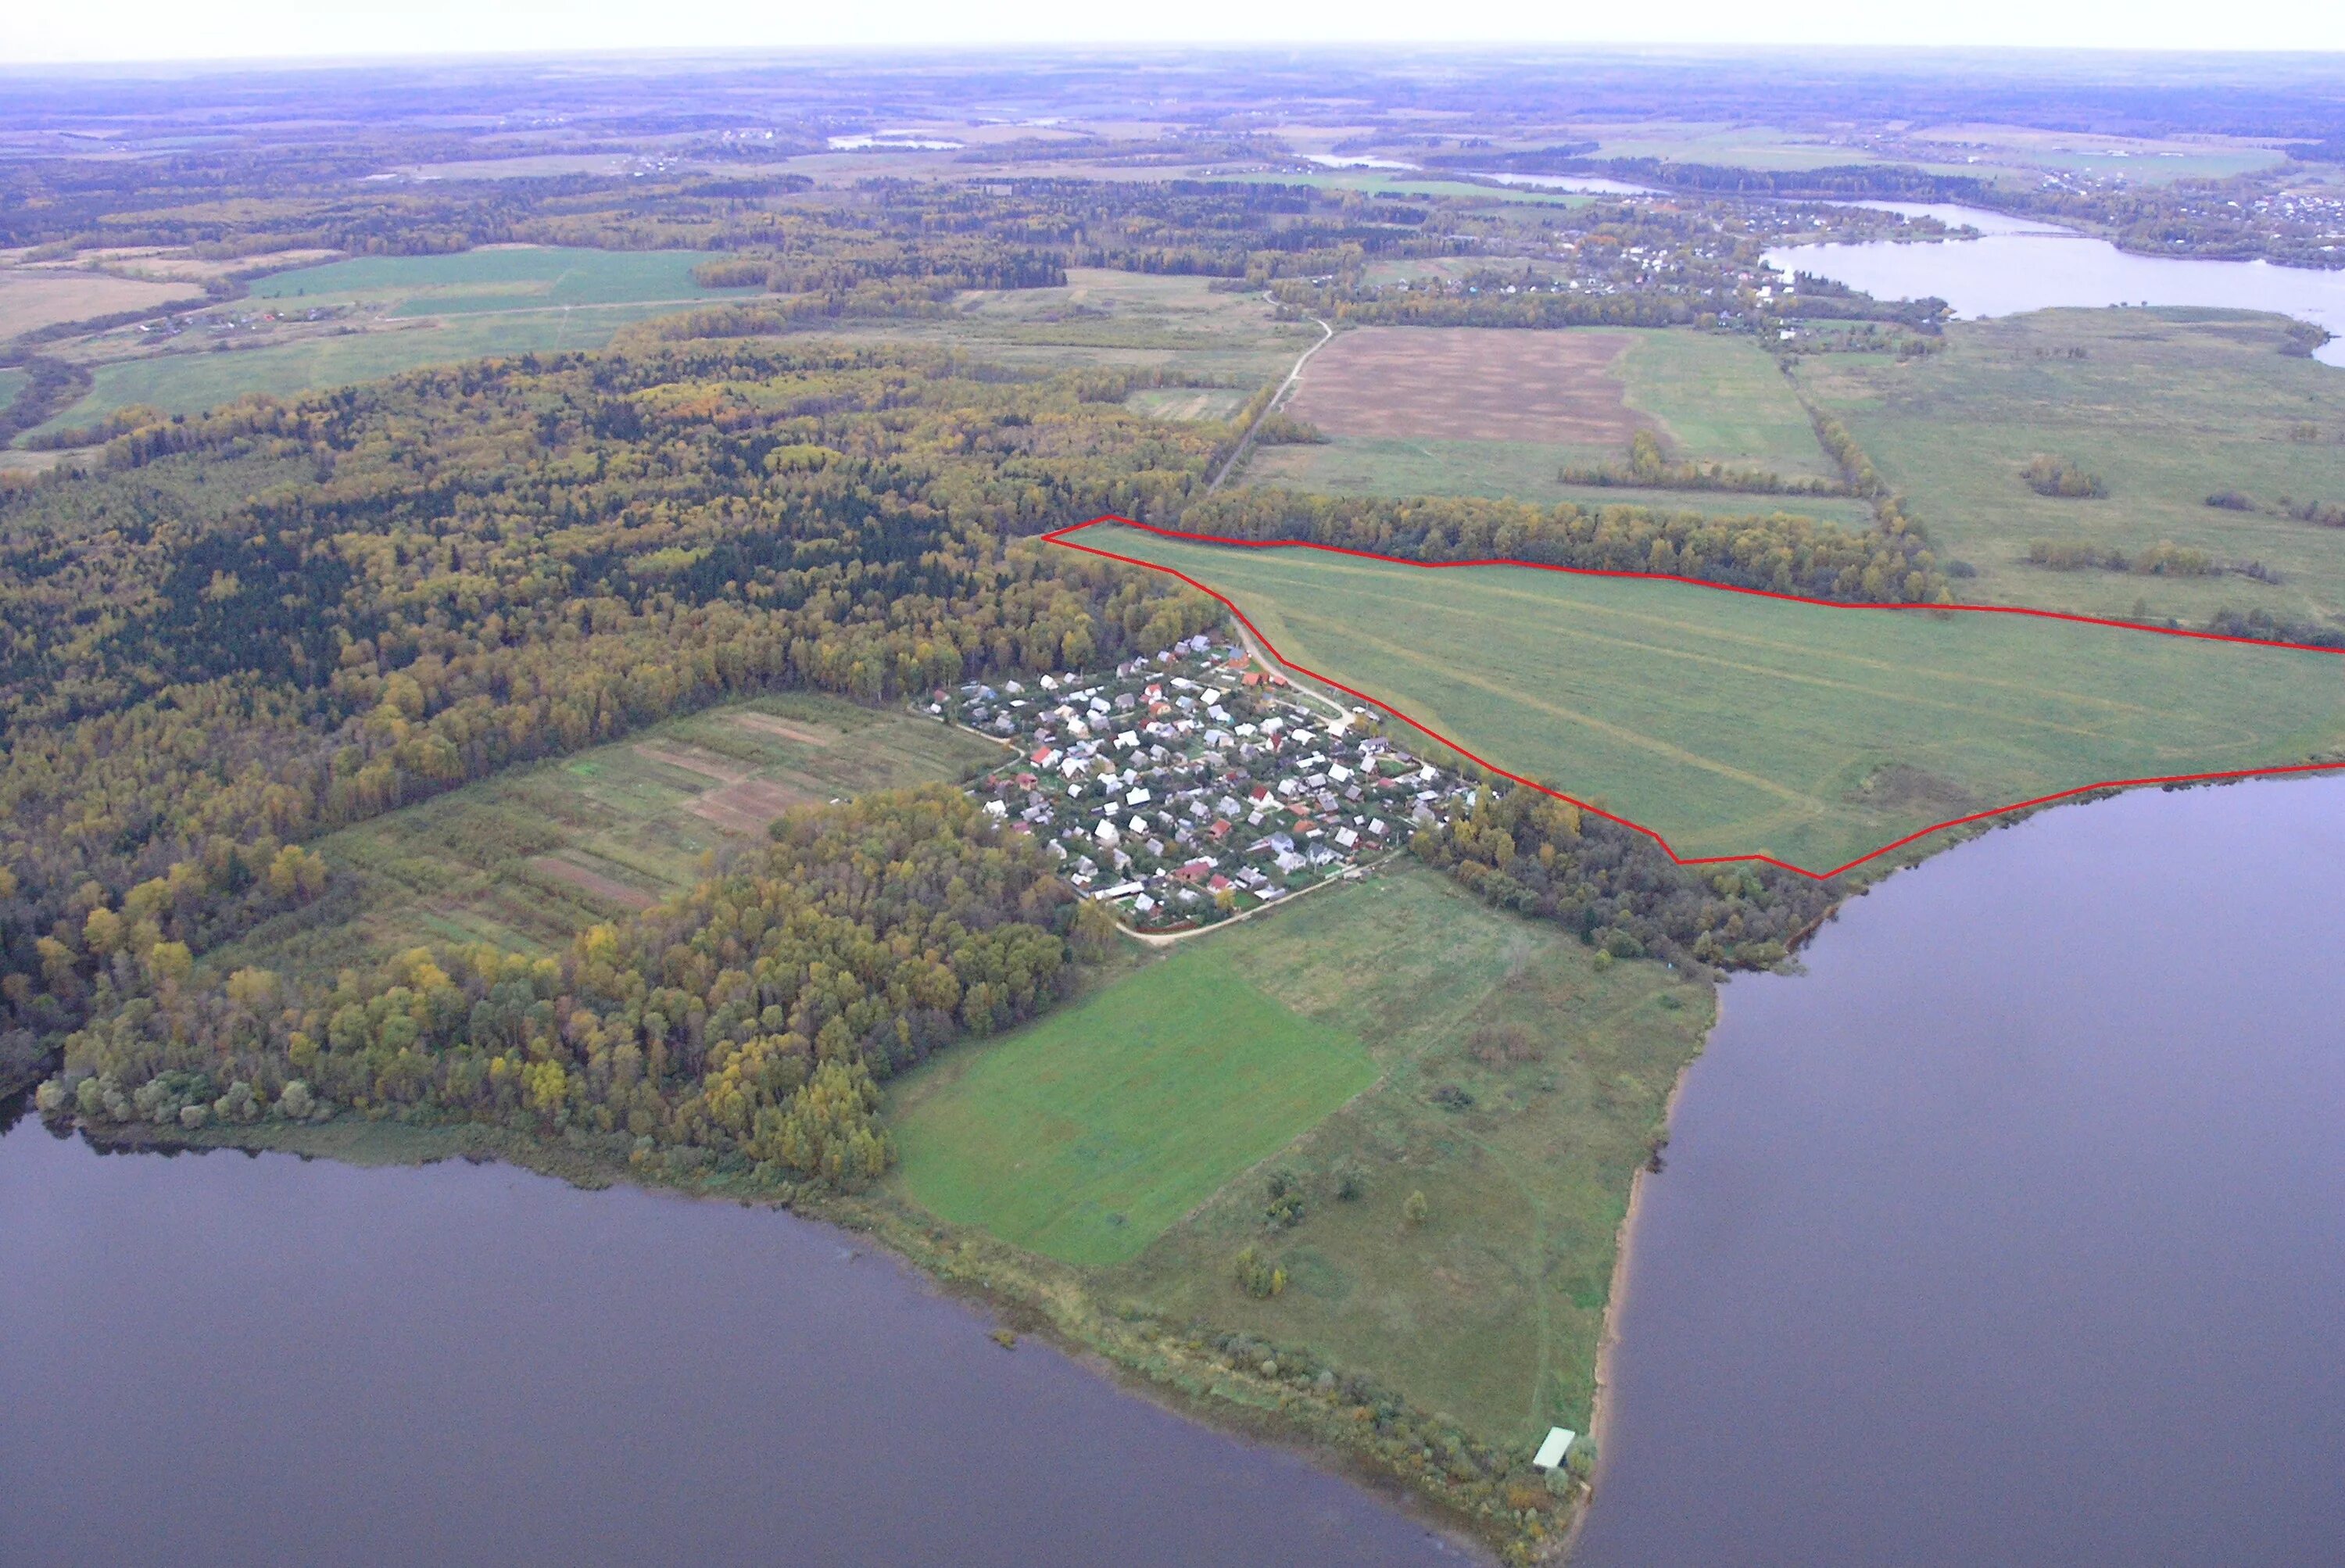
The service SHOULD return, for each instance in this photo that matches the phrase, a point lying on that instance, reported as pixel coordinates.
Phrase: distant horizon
(1480, 48)
(278, 33)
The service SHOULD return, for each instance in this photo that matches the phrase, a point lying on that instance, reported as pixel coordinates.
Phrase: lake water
(2014, 1231)
(224, 1359)
(2014, 267)
(1587, 183)
(1954, 217)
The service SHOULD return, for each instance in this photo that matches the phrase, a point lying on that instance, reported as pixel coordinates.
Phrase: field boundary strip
(1064, 538)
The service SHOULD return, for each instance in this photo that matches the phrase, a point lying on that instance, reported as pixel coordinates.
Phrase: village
(1190, 788)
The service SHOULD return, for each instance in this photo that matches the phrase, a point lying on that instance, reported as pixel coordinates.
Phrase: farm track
(1245, 442)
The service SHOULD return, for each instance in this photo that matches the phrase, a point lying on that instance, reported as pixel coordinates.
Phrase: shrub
(1256, 1277)
(1351, 1181)
(1284, 1208)
(2062, 477)
(1414, 1209)
(2163, 560)
(2075, 555)
(1285, 430)
(2232, 501)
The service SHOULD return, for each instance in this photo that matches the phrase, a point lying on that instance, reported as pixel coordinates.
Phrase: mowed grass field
(192, 382)
(1086, 1136)
(1498, 1069)
(388, 314)
(1734, 725)
(2168, 406)
(497, 277)
(1507, 471)
(1720, 398)
(528, 859)
(1108, 317)
(1467, 410)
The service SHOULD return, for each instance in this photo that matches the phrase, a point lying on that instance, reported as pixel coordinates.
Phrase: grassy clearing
(1726, 145)
(528, 859)
(2140, 160)
(191, 381)
(1734, 725)
(1109, 318)
(1084, 1137)
(498, 278)
(379, 315)
(1187, 402)
(1553, 1075)
(395, 317)
(2168, 406)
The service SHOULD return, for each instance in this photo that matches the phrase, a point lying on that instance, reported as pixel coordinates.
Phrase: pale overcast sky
(44, 31)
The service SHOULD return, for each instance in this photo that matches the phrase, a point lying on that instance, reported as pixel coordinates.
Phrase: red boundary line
(1062, 536)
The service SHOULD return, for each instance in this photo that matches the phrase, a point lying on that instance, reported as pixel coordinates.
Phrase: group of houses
(1190, 787)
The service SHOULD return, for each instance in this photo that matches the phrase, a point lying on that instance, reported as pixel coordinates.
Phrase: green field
(1738, 145)
(402, 313)
(1187, 402)
(2168, 406)
(1086, 1136)
(385, 314)
(1734, 725)
(1552, 1074)
(1109, 318)
(190, 382)
(1506, 470)
(1721, 398)
(497, 277)
(527, 859)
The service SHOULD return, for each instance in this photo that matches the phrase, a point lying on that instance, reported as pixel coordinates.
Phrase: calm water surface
(2013, 1232)
(224, 1359)
(2016, 267)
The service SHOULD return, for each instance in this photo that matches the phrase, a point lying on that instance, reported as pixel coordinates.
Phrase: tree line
(1780, 552)
(749, 1020)
(1527, 852)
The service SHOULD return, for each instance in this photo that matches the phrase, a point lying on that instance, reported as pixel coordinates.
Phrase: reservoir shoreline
(2038, 1155)
(1029, 1297)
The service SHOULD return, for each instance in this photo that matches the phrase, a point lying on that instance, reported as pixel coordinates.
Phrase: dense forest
(255, 625)
(749, 1022)
(1527, 852)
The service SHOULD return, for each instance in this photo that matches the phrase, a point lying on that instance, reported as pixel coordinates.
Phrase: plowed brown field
(1469, 383)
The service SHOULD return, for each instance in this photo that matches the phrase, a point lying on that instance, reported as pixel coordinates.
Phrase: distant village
(1190, 787)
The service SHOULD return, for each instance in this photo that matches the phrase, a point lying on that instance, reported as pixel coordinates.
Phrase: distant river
(2014, 1231)
(2017, 266)
(223, 1360)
